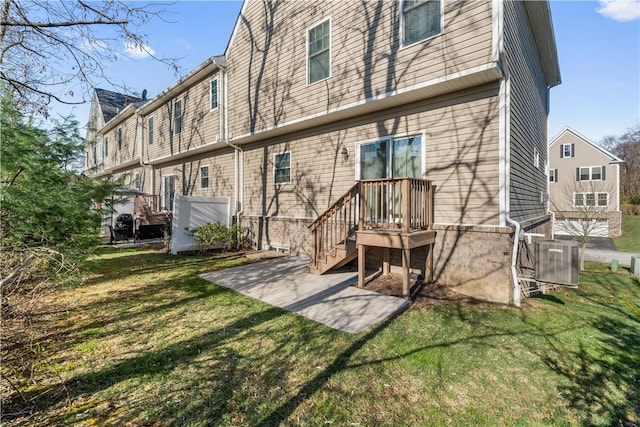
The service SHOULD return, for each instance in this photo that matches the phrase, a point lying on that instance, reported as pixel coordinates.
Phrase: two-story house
(426, 120)
(584, 187)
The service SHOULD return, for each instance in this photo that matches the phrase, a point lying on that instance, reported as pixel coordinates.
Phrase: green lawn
(145, 342)
(630, 239)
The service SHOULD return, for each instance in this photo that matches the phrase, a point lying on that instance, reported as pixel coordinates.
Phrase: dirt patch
(423, 295)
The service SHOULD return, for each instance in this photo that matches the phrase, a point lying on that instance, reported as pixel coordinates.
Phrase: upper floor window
(150, 130)
(567, 150)
(213, 92)
(536, 158)
(204, 177)
(421, 19)
(319, 52)
(553, 175)
(282, 169)
(136, 181)
(106, 147)
(119, 138)
(177, 117)
(590, 173)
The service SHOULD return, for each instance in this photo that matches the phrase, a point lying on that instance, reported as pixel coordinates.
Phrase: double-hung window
(553, 175)
(282, 168)
(177, 117)
(421, 19)
(119, 138)
(600, 199)
(590, 173)
(106, 147)
(319, 52)
(213, 94)
(567, 150)
(150, 130)
(204, 177)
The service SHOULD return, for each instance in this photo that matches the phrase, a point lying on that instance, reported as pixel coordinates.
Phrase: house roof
(111, 103)
(612, 157)
(542, 26)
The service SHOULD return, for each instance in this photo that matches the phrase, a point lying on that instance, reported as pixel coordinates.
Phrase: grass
(144, 341)
(630, 239)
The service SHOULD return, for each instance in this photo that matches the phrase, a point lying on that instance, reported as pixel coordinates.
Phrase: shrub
(216, 235)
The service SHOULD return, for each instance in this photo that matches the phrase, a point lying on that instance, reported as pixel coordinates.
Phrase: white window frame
(275, 169)
(106, 146)
(553, 176)
(150, 130)
(211, 107)
(203, 177)
(175, 118)
(100, 152)
(564, 154)
(119, 138)
(402, 43)
(536, 158)
(136, 181)
(590, 173)
(164, 183)
(309, 82)
(389, 139)
(594, 195)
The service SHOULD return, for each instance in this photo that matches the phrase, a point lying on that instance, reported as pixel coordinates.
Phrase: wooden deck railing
(152, 202)
(402, 204)
(335, 224)
(396, 203)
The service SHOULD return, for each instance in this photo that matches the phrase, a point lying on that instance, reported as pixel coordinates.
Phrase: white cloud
(620, 10)
(135, 51)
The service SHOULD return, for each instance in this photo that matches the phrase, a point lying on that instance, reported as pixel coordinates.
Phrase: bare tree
(581, 206)
(56, 51)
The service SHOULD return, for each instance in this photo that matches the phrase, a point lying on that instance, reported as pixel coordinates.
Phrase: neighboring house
(584, 187)
(421, 125)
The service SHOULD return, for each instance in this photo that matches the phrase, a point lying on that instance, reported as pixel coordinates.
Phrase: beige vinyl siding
(461, 140)
(528, 120)
(585, 156)
(129, 148)
(200, 124)
(268, 87)
(221, 175)
(127, 178)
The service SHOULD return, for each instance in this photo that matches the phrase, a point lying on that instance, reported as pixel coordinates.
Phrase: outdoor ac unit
(557, 262)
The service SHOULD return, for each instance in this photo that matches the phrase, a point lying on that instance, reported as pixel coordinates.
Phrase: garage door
(572, 227)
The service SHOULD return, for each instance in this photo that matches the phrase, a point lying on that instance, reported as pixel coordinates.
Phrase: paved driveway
(330, 299)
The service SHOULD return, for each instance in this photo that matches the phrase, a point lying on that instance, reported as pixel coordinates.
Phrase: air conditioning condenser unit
(557, 262)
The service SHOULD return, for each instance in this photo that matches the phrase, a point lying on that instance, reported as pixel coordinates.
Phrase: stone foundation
(288, 235)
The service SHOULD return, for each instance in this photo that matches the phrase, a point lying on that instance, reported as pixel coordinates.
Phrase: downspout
(504, 142)
(224, 132)
(141, 151)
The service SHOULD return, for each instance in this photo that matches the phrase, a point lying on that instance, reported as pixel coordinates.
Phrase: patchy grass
(144, 341)
(630, 239)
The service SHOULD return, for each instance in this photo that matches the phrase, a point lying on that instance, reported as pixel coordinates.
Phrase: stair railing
(336, 224)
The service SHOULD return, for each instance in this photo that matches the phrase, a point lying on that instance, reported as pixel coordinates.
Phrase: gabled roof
(612, 157)
(111, 103)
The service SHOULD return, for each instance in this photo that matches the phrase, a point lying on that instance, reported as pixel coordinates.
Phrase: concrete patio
(330, 299)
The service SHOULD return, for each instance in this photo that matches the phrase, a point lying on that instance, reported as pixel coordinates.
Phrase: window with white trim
(213, 94)
(421, 19)
(536, 158)
(600, 199)
(204, 177)
(150, 130)
(106, 146)
(567, 150)
(282, 168)
(177, 116)
(119, 138)
(136, 181)
(319, 52)
(553, 175)
(168, 192)
(590, 173)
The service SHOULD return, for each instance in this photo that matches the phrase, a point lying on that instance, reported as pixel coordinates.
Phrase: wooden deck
(381, 213)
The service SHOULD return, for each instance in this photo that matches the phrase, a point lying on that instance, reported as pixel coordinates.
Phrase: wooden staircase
(385, 213)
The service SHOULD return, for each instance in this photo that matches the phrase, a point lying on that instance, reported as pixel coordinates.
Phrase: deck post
(386, 269)
(406, 208)
(406, 257)
(429, 265)
(361, 265)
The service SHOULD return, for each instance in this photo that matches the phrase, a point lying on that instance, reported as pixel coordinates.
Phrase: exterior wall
(460, 135)
(187, 173)
(200, 124)
(129, 149)
(528, 98)
(267, 61)
(561, 192)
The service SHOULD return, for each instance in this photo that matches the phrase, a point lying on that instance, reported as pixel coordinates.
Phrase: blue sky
(598, 47)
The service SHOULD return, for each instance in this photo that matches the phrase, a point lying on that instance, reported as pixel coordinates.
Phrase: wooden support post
(361, 265)
(406, 257)
(429, 265)
(406, 208)
(386, 269)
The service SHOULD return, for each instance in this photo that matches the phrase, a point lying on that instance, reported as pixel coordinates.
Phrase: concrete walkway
(328, 299)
